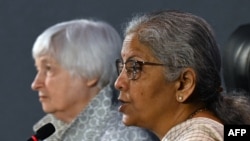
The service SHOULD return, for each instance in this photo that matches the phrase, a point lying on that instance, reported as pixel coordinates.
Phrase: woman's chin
(47, 109)
(127, 120)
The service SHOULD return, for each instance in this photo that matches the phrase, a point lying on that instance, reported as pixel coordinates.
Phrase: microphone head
(45, 131)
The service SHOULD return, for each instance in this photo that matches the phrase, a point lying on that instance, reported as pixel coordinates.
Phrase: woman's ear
(92, 82)
(187, 83)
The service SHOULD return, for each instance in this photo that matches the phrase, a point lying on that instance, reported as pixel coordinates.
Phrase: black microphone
(43, 132)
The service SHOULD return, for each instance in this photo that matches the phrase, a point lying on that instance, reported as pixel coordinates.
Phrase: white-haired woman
(75, 75)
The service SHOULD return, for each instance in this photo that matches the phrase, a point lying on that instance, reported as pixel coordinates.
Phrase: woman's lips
(122, 108)
(42, 98)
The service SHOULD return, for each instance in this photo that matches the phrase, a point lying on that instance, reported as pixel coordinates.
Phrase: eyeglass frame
(136, 69)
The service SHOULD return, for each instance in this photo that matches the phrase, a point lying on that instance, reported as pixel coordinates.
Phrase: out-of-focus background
(22, 21)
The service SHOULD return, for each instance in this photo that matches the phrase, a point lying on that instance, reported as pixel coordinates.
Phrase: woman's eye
(130, 69)
(48, 68)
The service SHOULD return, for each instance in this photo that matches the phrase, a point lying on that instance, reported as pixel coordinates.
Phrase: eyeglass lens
(132, 68)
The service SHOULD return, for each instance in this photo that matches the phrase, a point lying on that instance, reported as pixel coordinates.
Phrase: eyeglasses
(133, 67)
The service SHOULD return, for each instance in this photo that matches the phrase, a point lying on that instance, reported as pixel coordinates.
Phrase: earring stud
(180, 98)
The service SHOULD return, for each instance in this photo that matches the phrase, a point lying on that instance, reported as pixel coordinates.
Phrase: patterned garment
(100, 121)
(196, 129)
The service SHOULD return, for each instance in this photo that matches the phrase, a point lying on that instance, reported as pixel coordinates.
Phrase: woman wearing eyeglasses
(169, 79)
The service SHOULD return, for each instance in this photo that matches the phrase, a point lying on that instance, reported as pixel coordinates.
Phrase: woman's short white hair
(86, 48)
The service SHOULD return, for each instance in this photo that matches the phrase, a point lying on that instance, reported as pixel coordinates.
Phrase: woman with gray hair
(75, 77)
(169, 79)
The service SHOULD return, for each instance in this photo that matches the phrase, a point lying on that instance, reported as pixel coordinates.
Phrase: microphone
(43, 132)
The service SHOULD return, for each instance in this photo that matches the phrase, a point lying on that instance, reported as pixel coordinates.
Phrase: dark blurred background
(22, 21)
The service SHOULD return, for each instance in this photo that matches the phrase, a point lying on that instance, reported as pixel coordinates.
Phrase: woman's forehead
(45, 59)
(132, 47)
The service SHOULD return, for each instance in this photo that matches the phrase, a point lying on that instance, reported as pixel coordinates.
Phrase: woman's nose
(121, 81)
(37, 82)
